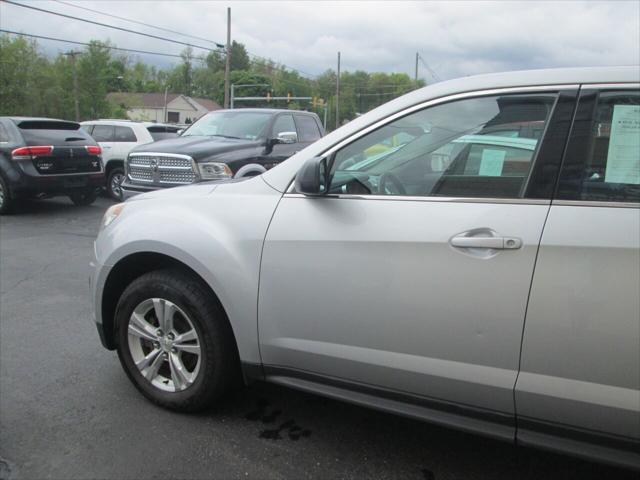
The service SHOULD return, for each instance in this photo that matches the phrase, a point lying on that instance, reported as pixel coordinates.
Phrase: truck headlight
(214, 171)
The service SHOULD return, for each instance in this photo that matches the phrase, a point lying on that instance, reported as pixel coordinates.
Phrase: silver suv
(467, 254)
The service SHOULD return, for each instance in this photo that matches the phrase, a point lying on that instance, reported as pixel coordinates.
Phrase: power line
(429, 69)
(108, 26)
(88, 44)
(219, 45)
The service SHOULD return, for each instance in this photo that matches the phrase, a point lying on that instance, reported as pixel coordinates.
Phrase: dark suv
(221, 145)
(42, 157)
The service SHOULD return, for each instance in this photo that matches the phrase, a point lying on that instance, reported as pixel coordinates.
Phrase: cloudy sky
(454, 38)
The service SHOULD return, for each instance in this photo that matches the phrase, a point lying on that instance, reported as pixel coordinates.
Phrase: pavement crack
(27, 278)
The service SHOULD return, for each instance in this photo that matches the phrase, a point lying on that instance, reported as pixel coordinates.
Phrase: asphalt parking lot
(67, 409)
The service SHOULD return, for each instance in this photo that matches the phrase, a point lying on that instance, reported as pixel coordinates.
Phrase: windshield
(234, 124)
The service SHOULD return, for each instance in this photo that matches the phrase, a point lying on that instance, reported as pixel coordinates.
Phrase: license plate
(76, 181)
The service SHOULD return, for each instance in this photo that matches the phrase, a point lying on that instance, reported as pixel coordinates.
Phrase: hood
(198, 147)
(194, 190)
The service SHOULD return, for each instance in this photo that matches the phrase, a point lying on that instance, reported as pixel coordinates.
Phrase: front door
(412, 275)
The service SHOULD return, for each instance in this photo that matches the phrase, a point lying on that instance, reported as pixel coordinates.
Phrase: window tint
(481, 147)
(125, 134)
(307, 128)
(103, 133)
(284, 123)
(603, 158)
(45, 132)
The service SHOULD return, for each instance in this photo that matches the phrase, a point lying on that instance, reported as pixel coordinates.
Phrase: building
(151, 107)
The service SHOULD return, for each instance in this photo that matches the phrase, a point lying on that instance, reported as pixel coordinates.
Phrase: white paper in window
(492, 162)
(623, 157)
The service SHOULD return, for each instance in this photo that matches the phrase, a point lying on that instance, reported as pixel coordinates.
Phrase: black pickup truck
(42, 157)
(220, 145)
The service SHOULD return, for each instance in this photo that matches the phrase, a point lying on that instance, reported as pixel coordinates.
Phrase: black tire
(84, 198)
(219, 359)
(6, 202)
(114, 179)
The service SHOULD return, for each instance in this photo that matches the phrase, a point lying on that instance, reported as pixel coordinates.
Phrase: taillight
(93, 149)
(28, 153)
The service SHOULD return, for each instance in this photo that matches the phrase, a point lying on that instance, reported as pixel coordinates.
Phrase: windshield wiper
(224, 136)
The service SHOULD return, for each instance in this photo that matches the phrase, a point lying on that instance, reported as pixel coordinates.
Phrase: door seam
(535, 261)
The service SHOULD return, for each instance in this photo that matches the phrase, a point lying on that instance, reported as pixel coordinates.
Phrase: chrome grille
(160, 169)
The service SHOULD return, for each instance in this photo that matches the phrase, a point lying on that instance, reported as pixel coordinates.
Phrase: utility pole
(338, 94)
(227, 65)
(76, 101)
(416, 77)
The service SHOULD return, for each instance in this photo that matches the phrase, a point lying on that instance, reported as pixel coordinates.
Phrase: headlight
(111, 214)
(214, 171)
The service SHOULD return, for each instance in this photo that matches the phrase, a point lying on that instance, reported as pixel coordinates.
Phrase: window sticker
(492, 162)
(623, 157)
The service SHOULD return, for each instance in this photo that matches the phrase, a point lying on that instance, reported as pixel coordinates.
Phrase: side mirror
(286, 137)
(179, 132)
(313, 178)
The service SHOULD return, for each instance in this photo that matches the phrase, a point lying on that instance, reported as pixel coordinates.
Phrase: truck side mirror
(313, 178)
(286, 138)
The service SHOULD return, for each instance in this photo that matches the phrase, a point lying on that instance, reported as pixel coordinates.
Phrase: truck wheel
(6, 202)
(83, 198)
(114, 182)
(174, 341)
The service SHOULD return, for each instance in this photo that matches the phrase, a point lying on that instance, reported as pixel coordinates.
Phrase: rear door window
(308, 130)
(103, 133)
(124, 134)
(603, 158)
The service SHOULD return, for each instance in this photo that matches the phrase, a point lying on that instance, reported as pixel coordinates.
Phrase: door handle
(495, 243)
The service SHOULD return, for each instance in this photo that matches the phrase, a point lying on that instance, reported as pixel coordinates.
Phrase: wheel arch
(113, 164)
(132, 266)
(250, 168)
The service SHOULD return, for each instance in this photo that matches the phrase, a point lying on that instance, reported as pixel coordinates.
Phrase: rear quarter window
(124, 134)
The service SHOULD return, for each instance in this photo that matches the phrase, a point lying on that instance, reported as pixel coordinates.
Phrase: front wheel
(86, 197)
(114, 183)
(174, 341)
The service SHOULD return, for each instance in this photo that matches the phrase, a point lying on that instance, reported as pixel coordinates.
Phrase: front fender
(219, 236)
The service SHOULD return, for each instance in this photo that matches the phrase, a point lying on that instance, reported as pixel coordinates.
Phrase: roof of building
(156, 100)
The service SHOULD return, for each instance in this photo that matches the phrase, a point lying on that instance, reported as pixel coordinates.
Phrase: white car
(467, 254)
(117, 138)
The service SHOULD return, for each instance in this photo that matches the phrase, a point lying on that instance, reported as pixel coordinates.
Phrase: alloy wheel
(164, 345)
(116, 184)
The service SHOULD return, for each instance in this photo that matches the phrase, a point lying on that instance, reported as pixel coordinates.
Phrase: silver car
(467, 254)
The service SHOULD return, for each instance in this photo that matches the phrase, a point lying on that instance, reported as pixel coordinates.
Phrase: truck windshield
(234, 124)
